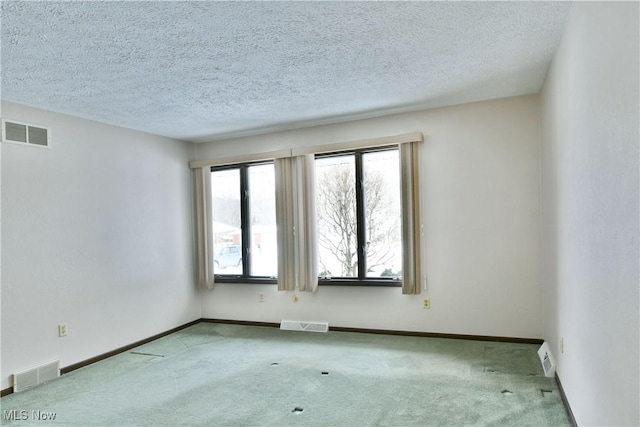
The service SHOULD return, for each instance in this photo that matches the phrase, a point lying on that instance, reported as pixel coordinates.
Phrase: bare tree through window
(338, 211)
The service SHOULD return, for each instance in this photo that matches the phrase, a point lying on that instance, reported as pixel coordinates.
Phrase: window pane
(336, 210)
(382, 213)
(227, 234)
(262, 211)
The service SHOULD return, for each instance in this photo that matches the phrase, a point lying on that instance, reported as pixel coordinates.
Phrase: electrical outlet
(260, 297)
(62, 330)
(295, 298)
(426, 303)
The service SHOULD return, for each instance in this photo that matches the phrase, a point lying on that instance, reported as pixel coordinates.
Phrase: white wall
(590, 216)
(1, 346)
(480, 195)
(97, 233)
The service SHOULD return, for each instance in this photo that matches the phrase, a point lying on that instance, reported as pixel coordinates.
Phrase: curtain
(204, 232)
(296, 224)
(411, 226)
(306, 223)
(285, 226)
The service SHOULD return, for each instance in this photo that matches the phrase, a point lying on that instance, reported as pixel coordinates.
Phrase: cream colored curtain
(307, 242)
(411, 225)
(296, 224)
(204, 232)
(285, 224)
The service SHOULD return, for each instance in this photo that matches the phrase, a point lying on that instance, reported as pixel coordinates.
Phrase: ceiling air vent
(24, 133)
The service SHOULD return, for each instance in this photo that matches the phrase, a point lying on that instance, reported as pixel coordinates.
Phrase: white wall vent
(25, 133)
(296, 325)
(546, 358)
(32, 377)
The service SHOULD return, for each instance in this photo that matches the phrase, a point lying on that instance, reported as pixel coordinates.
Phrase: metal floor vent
(296, 325)
(32, 377)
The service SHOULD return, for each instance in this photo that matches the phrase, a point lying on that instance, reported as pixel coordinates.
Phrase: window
(244, 223)
(359, 217)
(358, 223)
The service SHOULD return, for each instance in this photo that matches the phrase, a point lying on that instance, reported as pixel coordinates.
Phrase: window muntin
(244, 224)
(359, 217)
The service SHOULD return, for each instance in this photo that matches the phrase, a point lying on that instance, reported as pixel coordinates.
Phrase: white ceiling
(202, 71)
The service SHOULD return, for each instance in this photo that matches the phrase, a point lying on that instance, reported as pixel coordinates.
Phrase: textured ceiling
(201, 71)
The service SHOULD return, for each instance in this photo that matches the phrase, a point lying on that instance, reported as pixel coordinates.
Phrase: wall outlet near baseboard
(426, 303)
(62, 330)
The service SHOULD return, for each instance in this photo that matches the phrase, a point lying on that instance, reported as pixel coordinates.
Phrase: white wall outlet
(295, 298)
(426, 303)
(62, 330)
(260, 297)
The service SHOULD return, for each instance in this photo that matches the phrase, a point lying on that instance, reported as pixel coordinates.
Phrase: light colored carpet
(231, 375)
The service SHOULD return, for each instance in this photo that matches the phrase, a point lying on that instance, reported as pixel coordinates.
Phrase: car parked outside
(228, 256)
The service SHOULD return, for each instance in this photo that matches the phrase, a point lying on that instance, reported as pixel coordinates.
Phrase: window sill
(322, 282)
(245, 280)
(361, 283)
